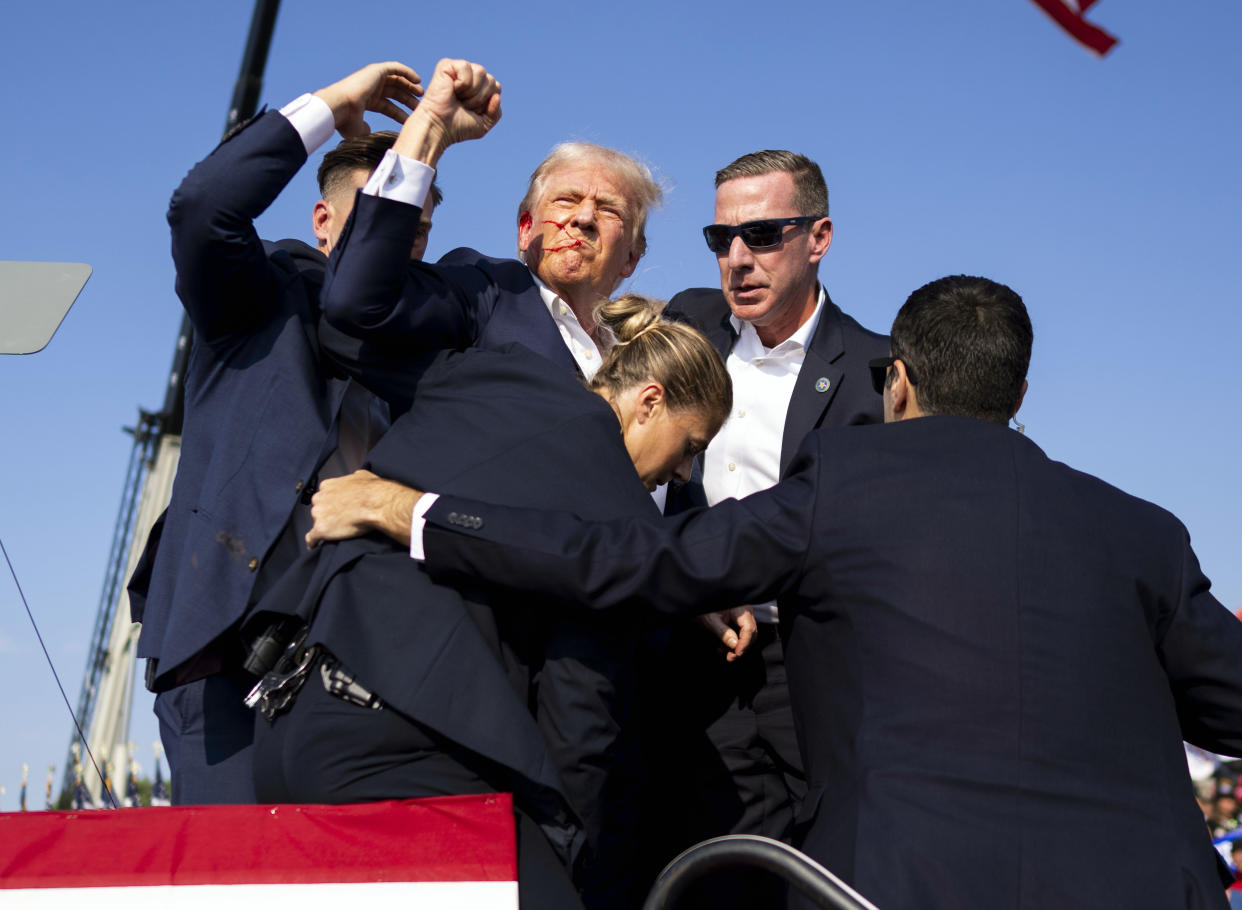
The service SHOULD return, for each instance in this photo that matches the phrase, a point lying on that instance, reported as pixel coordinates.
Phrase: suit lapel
(818, 381)
(520, 316)
(721, 334)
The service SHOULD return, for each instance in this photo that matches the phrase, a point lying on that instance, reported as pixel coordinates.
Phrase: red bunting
(1069, 15)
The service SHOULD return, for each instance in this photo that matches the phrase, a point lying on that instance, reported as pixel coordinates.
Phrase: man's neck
(584, 302)
(781, 330)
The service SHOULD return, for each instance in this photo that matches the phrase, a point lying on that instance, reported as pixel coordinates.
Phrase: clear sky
(971, 136)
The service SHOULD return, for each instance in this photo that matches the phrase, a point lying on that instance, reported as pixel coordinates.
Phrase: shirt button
(564, 310)
(741, 413)
(254, 564)
(588, 354)
(732, 466)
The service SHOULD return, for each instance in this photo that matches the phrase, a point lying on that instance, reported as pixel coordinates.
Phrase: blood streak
(573, 244)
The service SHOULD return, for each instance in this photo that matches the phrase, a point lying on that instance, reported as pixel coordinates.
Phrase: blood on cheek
(572, 244)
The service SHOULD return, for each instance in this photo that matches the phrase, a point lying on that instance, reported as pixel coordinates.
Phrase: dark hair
(674, 354)
(966, 343)
(361, 153)
(810, 190)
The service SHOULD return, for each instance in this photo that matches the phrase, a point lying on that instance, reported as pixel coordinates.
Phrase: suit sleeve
(1201, 649)
(739, 551)
(374, 292)
(224, 278)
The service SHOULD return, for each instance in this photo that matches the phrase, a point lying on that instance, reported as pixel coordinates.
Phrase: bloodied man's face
(577, 236)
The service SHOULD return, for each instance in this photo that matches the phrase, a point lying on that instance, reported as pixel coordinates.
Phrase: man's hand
(359, 503)
(462, 102)
(380, 87)
(723, 626)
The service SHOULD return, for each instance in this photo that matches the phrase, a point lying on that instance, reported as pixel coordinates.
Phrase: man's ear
(1021, 397)
(321, 214)
(526, 229)
(631, 263)
(901, 392)
(821, 238)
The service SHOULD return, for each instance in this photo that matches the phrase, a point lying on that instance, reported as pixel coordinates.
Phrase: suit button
(254, 564)
(476, 522)
(298, 487)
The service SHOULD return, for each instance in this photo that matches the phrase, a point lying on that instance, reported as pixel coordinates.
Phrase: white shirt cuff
(312, 118)
(401, 178)
(419, 521)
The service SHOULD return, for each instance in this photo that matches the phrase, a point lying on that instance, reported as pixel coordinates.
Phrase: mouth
(570, 243)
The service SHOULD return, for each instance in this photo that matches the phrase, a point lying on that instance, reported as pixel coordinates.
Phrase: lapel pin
(822, 384)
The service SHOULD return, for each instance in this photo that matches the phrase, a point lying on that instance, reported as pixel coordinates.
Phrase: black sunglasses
(757, 235)
(879, 371)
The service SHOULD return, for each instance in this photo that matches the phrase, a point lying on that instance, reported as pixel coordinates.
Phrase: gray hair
(640, 187)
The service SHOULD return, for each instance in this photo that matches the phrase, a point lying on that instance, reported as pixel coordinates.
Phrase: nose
(683, 469)
(584, 214)
(739, 254)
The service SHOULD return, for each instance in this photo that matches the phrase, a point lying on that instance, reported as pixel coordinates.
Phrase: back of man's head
(810, 190)
(361, 153)
(640, 186)
(966, 343)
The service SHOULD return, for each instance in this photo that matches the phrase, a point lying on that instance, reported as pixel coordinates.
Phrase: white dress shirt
(745, 456)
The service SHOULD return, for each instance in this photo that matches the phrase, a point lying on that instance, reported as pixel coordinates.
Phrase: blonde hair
(673, 354)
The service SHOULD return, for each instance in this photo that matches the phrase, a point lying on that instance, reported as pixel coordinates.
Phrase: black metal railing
(804, 874)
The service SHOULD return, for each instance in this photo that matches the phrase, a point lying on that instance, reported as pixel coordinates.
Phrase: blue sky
(956, 137)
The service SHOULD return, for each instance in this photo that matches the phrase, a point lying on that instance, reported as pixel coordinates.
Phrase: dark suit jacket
(993, 658)
(259, 411)
(381, 307)
(512, 427)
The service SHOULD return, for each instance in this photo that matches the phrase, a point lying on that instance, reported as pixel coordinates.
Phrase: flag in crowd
(131, 785)
(159, 789)
(81, 796)
(1071, 16)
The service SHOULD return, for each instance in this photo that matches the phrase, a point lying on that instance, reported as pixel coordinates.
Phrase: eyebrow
(576, 190)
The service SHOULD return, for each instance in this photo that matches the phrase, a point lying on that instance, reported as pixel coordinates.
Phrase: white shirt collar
(749, 346)
(586, 352)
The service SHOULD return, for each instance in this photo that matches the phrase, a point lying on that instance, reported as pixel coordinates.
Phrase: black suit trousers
(324, 749)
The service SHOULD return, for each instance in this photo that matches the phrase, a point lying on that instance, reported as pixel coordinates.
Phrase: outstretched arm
(740, 551)
(360, 503)
(372, 291)
(223, 276)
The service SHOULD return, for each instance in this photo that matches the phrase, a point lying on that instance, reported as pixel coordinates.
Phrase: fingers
(388, 109)
(746, 629)
(395, 71)
(476, 89)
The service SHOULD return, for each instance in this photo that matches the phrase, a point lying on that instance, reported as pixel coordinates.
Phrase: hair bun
(629, 315)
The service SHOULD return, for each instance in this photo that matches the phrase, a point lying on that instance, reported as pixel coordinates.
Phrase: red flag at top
(1069, 15)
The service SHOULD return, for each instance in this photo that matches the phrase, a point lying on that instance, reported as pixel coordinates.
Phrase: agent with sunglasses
(797, 362)
(994, 658)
